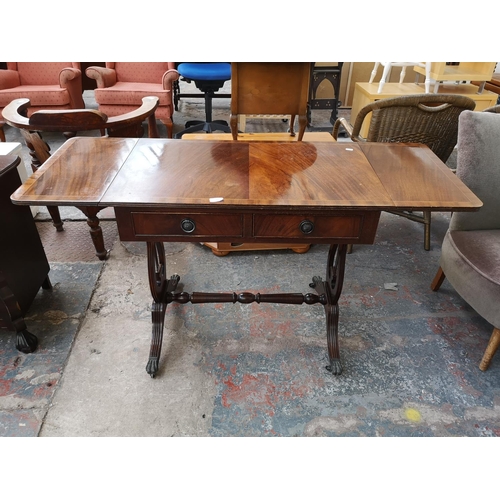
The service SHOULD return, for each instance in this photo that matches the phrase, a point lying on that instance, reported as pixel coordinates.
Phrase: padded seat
(52, 96)
(475, 273)
(208, 77)
(131, 94)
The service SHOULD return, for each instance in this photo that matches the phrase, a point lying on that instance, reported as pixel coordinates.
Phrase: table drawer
(186, 224)
(306, 226)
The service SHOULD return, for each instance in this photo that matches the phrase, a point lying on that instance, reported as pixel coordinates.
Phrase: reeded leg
(332, 337)
(160, 288)
(332, 288)
(158, 317)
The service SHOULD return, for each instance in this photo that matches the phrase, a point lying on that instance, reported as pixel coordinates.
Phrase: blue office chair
(208, 77)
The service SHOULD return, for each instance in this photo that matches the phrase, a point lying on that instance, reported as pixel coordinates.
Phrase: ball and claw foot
(26, 342)
(335, 367)
(152, 367)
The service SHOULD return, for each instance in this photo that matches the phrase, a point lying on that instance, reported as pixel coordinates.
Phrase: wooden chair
(270, 89)
(48, 85)
(470, 254)
(126, 125)
(430, 119)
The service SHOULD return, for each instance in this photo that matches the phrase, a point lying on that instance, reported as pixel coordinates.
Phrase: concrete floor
(410, 355)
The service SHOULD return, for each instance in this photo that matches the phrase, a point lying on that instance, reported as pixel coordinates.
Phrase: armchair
(126, 125)
(122, 85)
(470, 254)
(48, 85)
(430, 119)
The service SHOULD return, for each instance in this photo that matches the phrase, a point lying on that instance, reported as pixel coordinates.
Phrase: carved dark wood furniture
(320, 74)
(23, 265)
(246, 192)
(126, 125)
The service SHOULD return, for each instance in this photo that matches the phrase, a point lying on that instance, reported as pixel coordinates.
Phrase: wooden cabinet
(23, 264)
(460, 72)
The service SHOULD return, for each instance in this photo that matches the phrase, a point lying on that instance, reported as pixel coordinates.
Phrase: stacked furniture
(448, 78)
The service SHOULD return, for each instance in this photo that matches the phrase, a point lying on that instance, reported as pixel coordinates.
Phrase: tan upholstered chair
(122, 85)
(48, 85)
(430, 119)
(470, 255)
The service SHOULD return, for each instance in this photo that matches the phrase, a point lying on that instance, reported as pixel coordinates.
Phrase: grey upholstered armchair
(470, 257)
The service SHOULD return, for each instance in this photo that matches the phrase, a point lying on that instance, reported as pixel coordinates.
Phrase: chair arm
(67, 75)
(105, 77)
(9, 78)
(169, 77)
(14, 113)
(341, 122)
(71, 80)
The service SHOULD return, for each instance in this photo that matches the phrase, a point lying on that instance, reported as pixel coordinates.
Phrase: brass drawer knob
(306, 226)
(188, 225)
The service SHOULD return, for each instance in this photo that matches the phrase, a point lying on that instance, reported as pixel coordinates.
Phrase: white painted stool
(389, 65)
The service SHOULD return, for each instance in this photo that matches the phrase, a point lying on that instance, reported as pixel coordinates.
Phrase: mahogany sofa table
(166, 190)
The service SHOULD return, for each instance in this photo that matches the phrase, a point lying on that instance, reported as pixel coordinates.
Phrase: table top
(90, 171)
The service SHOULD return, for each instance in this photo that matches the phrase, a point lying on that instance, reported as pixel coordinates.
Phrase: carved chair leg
(170, 128)
(56, 218)
(2, 134)
(95, 231)
(438, 280)
(490, 349)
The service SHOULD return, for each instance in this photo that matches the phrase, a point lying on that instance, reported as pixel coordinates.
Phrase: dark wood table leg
(95, 231)
(161, 289)
(332, 288)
